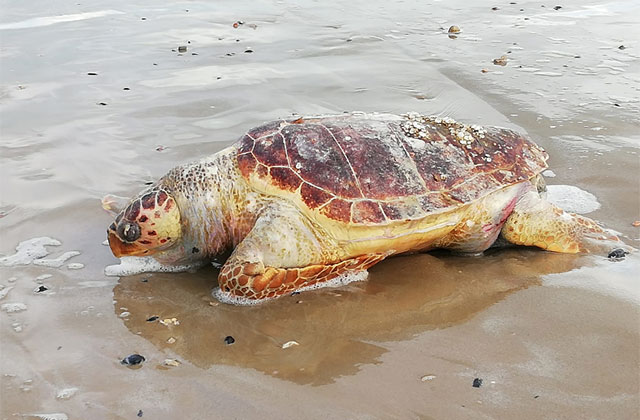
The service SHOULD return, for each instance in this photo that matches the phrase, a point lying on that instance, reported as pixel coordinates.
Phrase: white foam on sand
(572, 199)
(56, 262)
(130, 266)
(29, 250)
(342, 280)
(13, 307)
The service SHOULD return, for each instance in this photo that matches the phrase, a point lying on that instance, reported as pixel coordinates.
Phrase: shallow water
(553, 336)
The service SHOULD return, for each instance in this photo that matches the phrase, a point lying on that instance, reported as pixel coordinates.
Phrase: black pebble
(621, 47)
(557, 8)
(617, 254)
(248, 50)
(41, 289)
(132, 360)
(295, 293)
(126, 89)
(92, 74)
(229, 340)
(194, 250)
(153, 318)
(146, 280)
(477, 383)
(140, 413)
(182, 48)
(102, 103)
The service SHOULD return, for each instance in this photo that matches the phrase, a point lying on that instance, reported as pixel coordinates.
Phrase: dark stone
(195, 250)
(228, 340)
(477, 383)
(621, 47)
(102, 103)
(92, 74)
(617, 254)
(133, 359)
(140, 413)
(248, 50)
(557, 8)
(126, 88)
(153, 318)
(41, 289)
(144, 280)
(182, 48)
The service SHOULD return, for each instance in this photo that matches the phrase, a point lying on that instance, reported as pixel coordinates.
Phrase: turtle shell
(379, 168)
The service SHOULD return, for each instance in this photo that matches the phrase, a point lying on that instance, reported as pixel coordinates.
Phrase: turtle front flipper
(285, 252)
(536, 222)
(255, 281)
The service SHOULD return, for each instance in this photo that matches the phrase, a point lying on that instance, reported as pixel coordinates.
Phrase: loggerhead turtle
(302, 201)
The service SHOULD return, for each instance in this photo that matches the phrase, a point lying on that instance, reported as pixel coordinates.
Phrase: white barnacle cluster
(416, 125)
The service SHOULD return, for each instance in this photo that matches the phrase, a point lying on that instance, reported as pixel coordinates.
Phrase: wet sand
(551, 336)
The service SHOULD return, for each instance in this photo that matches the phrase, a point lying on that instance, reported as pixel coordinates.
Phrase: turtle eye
(129, 231)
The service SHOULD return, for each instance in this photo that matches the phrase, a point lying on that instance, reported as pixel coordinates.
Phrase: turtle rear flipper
(536, 222)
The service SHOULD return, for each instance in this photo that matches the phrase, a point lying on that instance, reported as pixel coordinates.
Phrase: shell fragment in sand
(290, 344)
(170, 321)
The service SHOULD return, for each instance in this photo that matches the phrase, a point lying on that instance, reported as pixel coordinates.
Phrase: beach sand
(551, 336)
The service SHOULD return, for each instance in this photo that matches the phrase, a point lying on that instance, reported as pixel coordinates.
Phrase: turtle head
(149, 223)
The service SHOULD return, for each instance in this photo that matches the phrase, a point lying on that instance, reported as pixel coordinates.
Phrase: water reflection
(337, 329)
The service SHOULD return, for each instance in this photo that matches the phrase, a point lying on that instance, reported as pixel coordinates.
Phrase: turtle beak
(123, 249)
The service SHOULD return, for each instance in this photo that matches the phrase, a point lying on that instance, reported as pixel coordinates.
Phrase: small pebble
(427, 378)
(171, 340)
(102, 103)
(133, 359)
(502, 61)
(557, 8)
(290, 344)
(636, 223)
(248, 50)
(182, 48)
(454, 29)
(66, 393)
(622, 47)
(477, 383)
(153, 318)
(92, 74)
(228, 340)
(617, 254)
(41, 289)
(171, 362)
(140, 413)
(126, 88)
(125, 314)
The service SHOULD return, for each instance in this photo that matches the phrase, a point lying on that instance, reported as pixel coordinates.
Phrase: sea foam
(130, 266)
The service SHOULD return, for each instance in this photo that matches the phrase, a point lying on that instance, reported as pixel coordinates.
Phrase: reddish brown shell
(376, 168)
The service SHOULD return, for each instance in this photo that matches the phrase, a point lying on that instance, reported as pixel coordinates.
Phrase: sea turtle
(301, 201)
